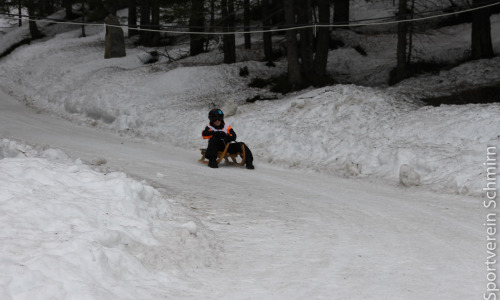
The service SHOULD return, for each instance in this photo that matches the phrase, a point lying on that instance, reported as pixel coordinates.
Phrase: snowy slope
(228, 233)
(346, 130)
(119, 208)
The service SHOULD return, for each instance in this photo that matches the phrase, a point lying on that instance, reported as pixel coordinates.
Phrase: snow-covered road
(288, 234)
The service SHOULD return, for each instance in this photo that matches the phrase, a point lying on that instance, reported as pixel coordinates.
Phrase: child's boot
(212, 163)
(249, 165)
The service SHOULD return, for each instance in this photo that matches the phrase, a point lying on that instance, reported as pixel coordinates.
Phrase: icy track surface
(228, 233)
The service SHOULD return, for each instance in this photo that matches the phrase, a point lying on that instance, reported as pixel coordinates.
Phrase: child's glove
(219, 134)
(227, 139)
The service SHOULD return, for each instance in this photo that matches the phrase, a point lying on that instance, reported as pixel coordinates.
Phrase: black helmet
(215, 114)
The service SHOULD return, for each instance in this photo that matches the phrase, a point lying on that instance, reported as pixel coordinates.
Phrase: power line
(416, 19)
(357, 23)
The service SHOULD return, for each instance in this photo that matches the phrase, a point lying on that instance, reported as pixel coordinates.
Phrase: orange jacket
(225, 132)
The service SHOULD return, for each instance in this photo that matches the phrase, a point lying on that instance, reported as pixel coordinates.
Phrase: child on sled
(219, 134)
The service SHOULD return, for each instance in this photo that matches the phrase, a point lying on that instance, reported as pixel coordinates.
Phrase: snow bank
(87, 235)
(357, 131)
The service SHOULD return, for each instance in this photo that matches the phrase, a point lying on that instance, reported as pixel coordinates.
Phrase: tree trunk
(341, 12)
(196, 24)
(306, 39)
(83, 19)
(212, 15)
(132, 18)
(278, 12)
(481, 46)
(322, 40)
(144, 9)
(35, 33)
(224, 15)
(68, 8)
(410, 29)
(45, 7)
(211, 24)
(155, 36)
(401, 71)
(246, 23)
(20, 11)
(232, 27)
(267, 36)
(229, 43)
(294, 74)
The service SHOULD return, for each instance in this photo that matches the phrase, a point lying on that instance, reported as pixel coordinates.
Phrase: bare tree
(20, 9)
(481, 46)
(322, 40)
(150, 21)
(228, 21)
(295, 78)
(68, 8)
(401, 70)
(155, 36)
(304, 15)
(312, 49)
(132, 18)
(196, 24)
(83, 19)
(267, 35)
(145, 21)
(341, 11)
(34, 31)
(246, 23)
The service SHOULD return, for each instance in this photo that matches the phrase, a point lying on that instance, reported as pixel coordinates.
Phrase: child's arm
(232, 136)
(207, 133)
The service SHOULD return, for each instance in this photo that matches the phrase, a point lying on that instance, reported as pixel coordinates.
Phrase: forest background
(299, 30)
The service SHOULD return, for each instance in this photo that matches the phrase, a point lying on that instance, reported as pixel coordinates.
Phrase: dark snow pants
(215, 145)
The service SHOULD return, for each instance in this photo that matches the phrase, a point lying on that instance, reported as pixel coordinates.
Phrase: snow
(359, 191)
(85, 234)
(408, 176)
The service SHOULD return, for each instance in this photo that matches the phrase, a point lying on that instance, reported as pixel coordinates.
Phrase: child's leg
(236, 147)
(249, 157)
(214, 146)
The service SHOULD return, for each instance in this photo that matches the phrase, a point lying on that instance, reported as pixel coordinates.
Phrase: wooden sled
(226, 155)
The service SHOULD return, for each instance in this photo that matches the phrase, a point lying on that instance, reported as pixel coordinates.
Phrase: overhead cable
(357, 23)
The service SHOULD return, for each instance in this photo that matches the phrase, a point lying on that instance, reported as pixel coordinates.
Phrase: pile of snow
(68, 231)
(357, 131)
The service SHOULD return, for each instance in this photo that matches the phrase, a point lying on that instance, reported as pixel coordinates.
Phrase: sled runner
(226, 155)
